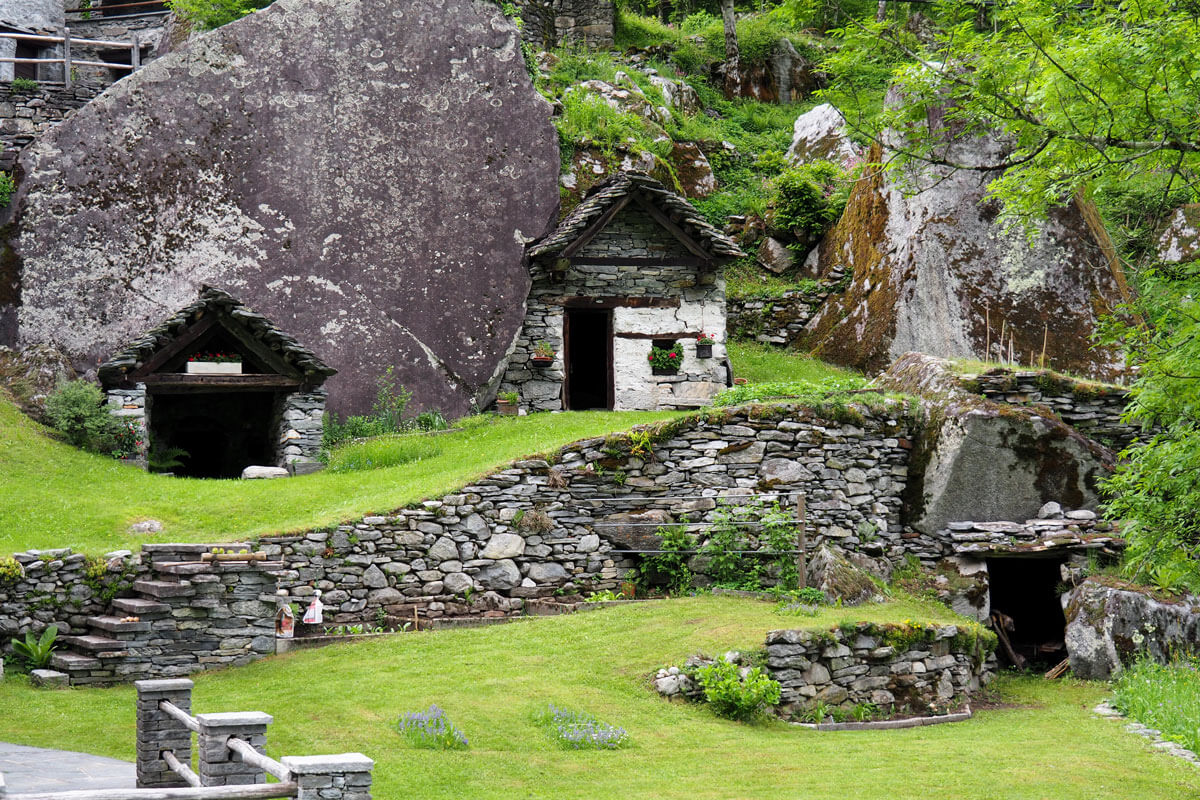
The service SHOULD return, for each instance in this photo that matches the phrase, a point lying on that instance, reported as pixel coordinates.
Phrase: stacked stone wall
(780, 320)
(25, 114)
(63, 588)
(541, 526)
(549, 23)
(1092, 409)
(846, 667)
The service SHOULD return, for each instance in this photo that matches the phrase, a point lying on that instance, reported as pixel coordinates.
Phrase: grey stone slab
(36, 769)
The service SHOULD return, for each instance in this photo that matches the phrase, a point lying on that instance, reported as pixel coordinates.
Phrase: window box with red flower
(666, 361)
(214, 364)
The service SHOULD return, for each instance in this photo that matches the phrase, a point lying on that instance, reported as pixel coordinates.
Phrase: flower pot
(704, 351)
(541, 362)
(506, 409)
(214, 368)
(664, 371)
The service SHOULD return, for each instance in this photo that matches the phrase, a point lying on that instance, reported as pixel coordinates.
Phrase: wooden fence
(231, 763)
(67, 40)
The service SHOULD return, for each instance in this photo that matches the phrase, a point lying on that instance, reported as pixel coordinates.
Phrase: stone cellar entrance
(218, 388)
(588, 353)
(221, 433)
(1026, 609)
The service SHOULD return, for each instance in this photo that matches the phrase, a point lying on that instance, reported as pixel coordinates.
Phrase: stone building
(30, 17)
(549, 23)
(223, 384)
(632, 267)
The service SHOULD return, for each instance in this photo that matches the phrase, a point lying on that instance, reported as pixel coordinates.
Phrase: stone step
(164, 588)
(93, 643)
(182, 567)
(141, 607)
(74, 662)
(117, 625)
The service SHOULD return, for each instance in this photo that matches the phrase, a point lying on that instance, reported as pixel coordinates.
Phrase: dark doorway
(30, 71)
(1025, 591)
(587, 335)
(221, 432)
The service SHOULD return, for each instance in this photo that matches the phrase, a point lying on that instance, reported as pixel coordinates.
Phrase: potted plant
(506, 403)
(704, 344)
(214, 364)
(543, 355)
(666, 361)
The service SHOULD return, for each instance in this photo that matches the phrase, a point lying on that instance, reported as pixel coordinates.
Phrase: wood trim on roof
(600, 224)
(679, 233)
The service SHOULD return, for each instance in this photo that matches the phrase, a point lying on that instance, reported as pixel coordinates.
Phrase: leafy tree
(1088, 94)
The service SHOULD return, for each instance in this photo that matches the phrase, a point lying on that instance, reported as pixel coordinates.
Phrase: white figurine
(313, 615)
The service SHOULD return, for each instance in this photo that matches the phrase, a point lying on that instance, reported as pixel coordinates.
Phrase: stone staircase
(186, 615)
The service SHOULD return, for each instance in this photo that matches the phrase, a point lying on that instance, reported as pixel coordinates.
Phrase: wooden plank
(256, 759)
(590, 231)
(261, 791)
(183, 340)
(679, 233)
(665, 261)
(162, 381)
(634, 335)
(601, 303)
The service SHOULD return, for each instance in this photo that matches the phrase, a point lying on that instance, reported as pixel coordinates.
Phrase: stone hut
(30, 17)
(632, 267)
(223, 384)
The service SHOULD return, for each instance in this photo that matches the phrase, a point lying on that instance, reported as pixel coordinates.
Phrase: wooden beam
(679, 233)
(665, 261)
(614, 302)
(168, 382)
(258, 348)
(262, 791)
(183, 340)
(633, 335)
(590, 231)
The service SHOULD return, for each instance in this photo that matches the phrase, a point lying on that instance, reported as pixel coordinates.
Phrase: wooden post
(67, 57)
(801, 542)
(135, 52)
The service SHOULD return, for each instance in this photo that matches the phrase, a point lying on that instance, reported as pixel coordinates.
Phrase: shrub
(36, 651)
(76, 409)
(670, 567)
(733, 696)
(24, 85)
(8, 187)
(10, 570)
(579, 730)
(209, 14)
(810, 197)
(431, 730)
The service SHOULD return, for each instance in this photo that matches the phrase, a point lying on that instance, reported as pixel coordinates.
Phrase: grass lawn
(52, 495)
(760, 363)
(490, 682)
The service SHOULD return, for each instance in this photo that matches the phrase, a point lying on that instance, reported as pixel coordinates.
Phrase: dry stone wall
(864, 664)
(779, 320)
(25, 114)
(61, 587)
(540, 525)
(549, 23)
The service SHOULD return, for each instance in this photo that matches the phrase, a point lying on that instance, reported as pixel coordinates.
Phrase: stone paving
(35, 769)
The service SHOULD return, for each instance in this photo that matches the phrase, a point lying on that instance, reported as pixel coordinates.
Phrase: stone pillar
(341, 777)
(219, 766)
(157, 731)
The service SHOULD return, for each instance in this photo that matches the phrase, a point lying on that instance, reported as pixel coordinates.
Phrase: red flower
(670, 355)
(651, 357)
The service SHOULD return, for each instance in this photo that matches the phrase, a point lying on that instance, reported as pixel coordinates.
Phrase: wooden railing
(67, 40)
(231, 762)
(93, 12)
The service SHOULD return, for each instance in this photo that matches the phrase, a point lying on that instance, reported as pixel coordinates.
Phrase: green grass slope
(490, 681)
(52, 495)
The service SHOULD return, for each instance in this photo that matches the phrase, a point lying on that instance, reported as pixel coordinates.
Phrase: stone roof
(604, 195)
(214, 300)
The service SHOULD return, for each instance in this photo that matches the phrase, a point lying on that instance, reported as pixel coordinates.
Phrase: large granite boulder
(1179, 239)
(933, 270)
(1108, 626)
(820, 133)
(365, 174)
(983, 461)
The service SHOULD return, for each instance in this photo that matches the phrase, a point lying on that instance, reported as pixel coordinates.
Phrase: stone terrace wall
(25, 114)
(549, 23)
(1093, 409)
(531, 529)
(845, 668)
(779, 320)
(63, 588)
